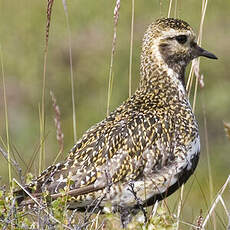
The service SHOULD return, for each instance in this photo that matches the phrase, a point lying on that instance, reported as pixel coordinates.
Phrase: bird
(145, 149)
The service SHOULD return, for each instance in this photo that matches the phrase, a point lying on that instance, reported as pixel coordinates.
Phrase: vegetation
(67, 49)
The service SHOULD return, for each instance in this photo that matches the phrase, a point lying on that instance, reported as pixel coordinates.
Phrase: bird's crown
(172, 23)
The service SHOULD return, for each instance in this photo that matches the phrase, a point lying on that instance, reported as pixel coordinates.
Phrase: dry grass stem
(57, 121)
(32, 198)
(208, 154)
(170, 8)
(6, 117)
(195, 68)
(154, 211)
(200, 220)
(227, 129)
(11, 161)
(196, 65)
(40, 206)
(195, 95)
(115, 17)
(42, 140)
(187, 224)
(131, 49)
(179, 208)
(218, 199)
(175, 9)
(42, 112)
(48, 15)
(71, 70)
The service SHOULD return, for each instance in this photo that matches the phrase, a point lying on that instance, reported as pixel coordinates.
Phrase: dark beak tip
(212, 56)
(202, 52)
(208, 55)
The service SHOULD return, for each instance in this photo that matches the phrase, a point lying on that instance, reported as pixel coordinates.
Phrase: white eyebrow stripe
(172, 33)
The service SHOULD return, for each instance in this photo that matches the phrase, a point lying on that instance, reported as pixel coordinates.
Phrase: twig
(11, 162)
(42, 207)
(138, 200)
(86, 218)
(95, 204)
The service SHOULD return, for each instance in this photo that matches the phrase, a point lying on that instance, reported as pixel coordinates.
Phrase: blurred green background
(22, 33)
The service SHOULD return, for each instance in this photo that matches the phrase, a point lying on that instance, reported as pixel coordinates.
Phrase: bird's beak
(198, 51)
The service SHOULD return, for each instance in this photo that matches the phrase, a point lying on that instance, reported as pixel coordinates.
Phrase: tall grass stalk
(208, 161)
(42, 139)
(170, 8)
(6, 118)
(57, 121)
(3, 143)
(199, 41)
(42, 111)
(196, 62)
(194, 69)
(71, 70)
(180, 203)
(131, 49)
(179, 208)
(116, 17)
(195, 95)
(219, 198)
(175, 9)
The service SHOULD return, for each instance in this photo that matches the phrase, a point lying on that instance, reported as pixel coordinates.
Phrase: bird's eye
(181, 39)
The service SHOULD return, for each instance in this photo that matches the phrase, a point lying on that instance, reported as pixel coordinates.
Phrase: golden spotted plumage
(151, 141)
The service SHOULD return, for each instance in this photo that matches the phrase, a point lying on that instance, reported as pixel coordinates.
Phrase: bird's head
(173, 42)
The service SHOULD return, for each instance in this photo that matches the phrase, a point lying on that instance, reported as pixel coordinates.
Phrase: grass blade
(57, 120)
(116, 17)
(6, 119)
(71, 70)
(42, 112)
(170, 8)
(131, 49)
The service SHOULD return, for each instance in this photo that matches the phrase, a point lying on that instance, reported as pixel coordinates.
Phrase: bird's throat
(159, 76)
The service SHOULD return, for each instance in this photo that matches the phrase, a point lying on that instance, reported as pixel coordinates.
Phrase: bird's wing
(104, 155)
(115, 150)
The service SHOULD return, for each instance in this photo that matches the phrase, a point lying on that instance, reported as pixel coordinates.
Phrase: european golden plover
(145, 149)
